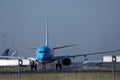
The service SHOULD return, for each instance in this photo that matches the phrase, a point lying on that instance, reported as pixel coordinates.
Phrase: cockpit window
(40, 51)
(43, 51)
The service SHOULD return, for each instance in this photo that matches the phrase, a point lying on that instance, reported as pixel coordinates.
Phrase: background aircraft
(9, 52)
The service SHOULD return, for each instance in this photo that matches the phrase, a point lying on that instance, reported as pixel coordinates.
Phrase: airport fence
(12, 73)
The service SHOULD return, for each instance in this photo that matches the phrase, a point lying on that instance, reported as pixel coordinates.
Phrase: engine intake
(66, 61)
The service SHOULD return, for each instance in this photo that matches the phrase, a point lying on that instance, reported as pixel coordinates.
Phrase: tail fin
(46, 43)
(9, 52)
(6, 52)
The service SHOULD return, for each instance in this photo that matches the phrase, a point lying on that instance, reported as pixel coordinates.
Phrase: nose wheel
(33, 65)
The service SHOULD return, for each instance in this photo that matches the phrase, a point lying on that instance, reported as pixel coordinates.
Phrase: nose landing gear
(33, 65)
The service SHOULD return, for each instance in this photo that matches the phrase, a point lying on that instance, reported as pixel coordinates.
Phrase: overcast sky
(92, 24)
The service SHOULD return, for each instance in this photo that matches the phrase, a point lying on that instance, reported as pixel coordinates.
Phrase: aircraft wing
(84, 54)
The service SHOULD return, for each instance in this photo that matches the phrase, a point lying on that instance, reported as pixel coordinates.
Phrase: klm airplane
(45, 55)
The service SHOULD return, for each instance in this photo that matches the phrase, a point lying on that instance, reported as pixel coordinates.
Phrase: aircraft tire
(58, 66)
(31, 67)
(35, 67)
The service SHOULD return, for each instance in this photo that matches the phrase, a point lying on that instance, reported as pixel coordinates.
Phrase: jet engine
(66, 61)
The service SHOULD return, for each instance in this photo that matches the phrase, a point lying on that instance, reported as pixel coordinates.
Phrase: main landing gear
(58, 65)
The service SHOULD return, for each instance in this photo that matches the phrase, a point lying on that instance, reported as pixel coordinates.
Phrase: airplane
(9, 52)
(45, 54)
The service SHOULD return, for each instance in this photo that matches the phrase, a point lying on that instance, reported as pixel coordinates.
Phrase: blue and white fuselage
(44, 54)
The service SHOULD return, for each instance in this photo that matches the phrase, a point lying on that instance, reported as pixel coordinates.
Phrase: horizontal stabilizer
(31, 48)
(64, 46)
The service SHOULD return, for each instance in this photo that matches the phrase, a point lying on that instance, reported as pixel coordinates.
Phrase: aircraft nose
(40, 56)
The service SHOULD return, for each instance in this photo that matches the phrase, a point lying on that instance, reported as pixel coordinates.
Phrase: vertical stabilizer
(46, 43)
(6, 52)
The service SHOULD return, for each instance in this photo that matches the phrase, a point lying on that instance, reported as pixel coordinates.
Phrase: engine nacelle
(66, 61)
